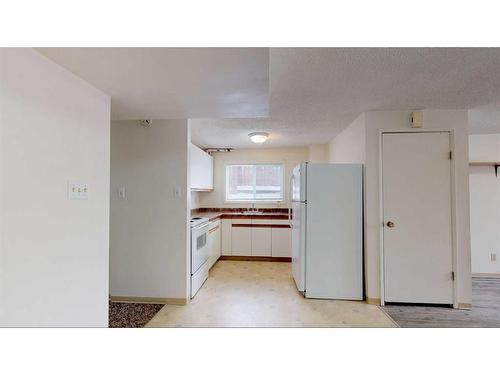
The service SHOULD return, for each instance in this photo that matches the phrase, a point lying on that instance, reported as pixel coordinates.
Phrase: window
(254, 182)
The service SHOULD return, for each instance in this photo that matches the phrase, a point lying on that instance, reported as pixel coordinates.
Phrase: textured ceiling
(325, 82)
(282, 133)
(300, 96)
(174, 82)
(316, 92)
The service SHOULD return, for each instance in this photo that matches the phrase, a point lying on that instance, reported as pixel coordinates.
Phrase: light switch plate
(78, 190)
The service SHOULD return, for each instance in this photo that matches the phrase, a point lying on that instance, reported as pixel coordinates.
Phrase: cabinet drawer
(269, 222)
(241, 221)
(213, 224)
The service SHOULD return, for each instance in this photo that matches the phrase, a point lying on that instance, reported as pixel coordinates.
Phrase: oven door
(199, 247)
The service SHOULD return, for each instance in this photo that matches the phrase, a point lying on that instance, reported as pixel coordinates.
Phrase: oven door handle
(201, 227)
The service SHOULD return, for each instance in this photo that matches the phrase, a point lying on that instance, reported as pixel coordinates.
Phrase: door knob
(390, 224)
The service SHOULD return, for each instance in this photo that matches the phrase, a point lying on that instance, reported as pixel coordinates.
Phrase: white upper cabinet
(202, 169)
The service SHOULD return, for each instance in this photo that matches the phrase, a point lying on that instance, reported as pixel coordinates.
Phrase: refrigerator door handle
(291, 200)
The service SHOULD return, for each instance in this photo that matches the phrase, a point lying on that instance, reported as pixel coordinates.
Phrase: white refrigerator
(327, 230)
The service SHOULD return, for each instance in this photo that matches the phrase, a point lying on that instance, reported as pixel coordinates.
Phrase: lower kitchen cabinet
(214, 243)
(226, 237)
(281, 242)
(261, 242)
(241, 241)
(246, 240)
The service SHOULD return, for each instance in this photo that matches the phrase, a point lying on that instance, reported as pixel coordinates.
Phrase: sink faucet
(253, 208)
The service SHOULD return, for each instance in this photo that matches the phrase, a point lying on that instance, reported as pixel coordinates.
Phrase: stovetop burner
(198, 220)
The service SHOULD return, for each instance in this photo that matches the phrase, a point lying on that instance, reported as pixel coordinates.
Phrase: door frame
(454, 234)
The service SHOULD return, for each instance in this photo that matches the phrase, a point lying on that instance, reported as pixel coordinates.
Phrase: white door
(417, 229)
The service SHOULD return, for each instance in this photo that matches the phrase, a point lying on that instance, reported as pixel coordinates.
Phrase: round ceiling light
(258, 137)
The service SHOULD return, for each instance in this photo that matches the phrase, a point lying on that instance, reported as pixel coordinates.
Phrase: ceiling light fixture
(258, 137)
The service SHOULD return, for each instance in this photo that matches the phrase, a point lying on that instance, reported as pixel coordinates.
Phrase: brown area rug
(131, 315)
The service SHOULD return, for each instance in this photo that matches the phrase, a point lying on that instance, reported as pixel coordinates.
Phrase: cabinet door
(241, 241)
(281, 242)
(211, 250)
(261, 241)
(201, 169)
(216, 243)
(226, 237)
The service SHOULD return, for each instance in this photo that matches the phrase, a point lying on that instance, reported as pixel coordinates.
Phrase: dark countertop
(214, 215)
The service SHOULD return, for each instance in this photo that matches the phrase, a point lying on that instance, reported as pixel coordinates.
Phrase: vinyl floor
(263, 294)
(485, 310)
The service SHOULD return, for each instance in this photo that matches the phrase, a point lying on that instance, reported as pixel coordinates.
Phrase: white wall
(349, 146)
(359, 143)
(484, 147)
(455, 120)
(194, 201)
(54, 128)
(318, 153)
(484, 204)
(149, 228)
(290, 157)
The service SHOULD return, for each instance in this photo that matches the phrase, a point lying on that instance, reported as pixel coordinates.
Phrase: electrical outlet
(493, 257)
(78, 190)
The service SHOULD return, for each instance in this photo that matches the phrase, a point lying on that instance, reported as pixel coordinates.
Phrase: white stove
(199, 253)
(195, 221)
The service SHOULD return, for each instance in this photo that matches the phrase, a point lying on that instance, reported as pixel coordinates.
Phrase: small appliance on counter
(199, 253)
